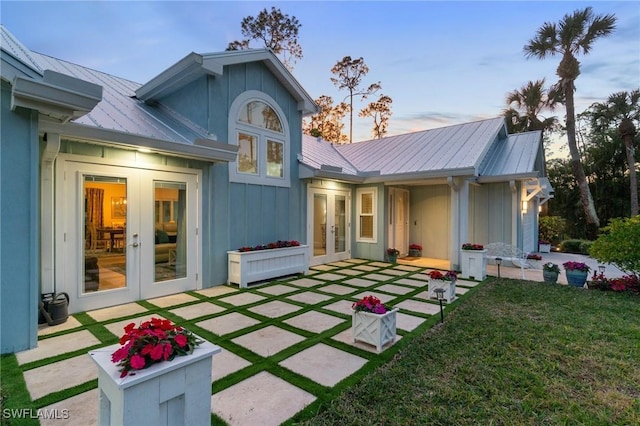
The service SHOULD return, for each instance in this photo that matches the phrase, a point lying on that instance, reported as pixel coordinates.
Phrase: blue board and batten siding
(19, 225)
(239, 214)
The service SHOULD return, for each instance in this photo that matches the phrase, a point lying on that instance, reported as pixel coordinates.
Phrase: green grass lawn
(517, 352)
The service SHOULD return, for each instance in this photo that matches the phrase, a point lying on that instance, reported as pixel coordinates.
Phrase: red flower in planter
(470, 246)
(153, 341)
(448, 276)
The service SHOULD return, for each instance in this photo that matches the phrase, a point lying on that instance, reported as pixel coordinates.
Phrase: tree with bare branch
(327, 123)
(278, 32)
(380, 111)
(349, 73)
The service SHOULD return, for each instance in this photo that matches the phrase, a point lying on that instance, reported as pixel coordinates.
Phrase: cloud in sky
(441, 62)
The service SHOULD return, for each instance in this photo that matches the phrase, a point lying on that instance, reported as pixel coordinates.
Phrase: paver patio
(297, 327)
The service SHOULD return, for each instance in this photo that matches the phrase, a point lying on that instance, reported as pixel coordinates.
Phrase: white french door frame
(140, 236)
(331, 229)
(398, 223)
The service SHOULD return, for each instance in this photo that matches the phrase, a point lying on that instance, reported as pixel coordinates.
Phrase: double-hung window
(367, 221)
(261, 134)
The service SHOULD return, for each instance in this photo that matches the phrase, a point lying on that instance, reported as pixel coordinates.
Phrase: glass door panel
(319, 224)
(105, 214)
(170, 224)
(168, 233)
(340, 210)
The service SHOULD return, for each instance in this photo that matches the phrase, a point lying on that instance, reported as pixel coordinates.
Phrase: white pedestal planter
(544, 248)
(448, 286)
(250, 266)
(474, 264)
(176, 392)
(375, 329)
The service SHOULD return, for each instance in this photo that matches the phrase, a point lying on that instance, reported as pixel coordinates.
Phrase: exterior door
(329, 225)
(399, 220)
(124, 234)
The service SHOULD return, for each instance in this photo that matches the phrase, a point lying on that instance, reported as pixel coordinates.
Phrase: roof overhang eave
(58, 96)
(509, 177)
(416, 176)
(308, 172)
(202, 149)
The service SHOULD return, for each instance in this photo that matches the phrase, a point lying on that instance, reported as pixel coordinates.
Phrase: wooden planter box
(251, 266)
(448, 286)
(176, 392)
(375, 329)
(474, 264)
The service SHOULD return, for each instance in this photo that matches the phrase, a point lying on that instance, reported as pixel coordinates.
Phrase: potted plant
(153, 341)
(576, 272)
(392, 255)
(446, 281)
(373, 322)
(550, 272)
(544, 246)
(415, 250)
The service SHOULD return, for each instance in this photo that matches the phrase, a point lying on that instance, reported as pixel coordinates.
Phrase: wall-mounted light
(525, 206)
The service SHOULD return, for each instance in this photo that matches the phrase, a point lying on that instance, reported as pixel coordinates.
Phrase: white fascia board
(415, 176)
(507, 178)
(307, 172)
(210, 151)
(217, 61)
(59, 96)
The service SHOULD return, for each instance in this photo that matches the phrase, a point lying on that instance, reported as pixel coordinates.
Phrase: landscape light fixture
(498, 262)
(601, 269)
(440, 295)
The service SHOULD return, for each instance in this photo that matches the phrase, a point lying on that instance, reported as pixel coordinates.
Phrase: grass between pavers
(518, 352)
(18, 396)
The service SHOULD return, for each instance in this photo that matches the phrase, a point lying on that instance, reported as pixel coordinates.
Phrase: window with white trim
(367, 220)
(257, 125)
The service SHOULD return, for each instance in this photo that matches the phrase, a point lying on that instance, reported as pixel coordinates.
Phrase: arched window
(258, 126)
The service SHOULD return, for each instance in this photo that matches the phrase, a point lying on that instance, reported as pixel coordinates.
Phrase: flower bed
(246, 266)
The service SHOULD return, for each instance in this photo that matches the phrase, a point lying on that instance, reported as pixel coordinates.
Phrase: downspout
(515, 213)
(47, 257)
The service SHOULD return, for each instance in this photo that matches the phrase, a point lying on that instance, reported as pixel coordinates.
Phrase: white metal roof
(515, 155)
(481, 148)
(15, 48)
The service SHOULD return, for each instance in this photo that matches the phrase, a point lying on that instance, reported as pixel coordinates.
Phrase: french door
(329, 225)
(124, 234)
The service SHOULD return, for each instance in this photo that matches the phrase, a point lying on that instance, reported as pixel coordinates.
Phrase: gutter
(202, 149)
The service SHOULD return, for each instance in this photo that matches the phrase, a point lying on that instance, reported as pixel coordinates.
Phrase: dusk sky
(442, 63)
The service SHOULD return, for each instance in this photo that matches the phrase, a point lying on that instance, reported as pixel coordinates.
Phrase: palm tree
(574, 34)
(622, 108)
(529, 101)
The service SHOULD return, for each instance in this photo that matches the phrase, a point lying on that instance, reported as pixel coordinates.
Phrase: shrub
(575, 246)
(551, 228)
(619, 243)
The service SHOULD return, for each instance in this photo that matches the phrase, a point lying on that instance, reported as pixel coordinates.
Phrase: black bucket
(56, 310)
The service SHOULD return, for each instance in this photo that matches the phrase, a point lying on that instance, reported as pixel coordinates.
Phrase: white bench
(507, 252)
